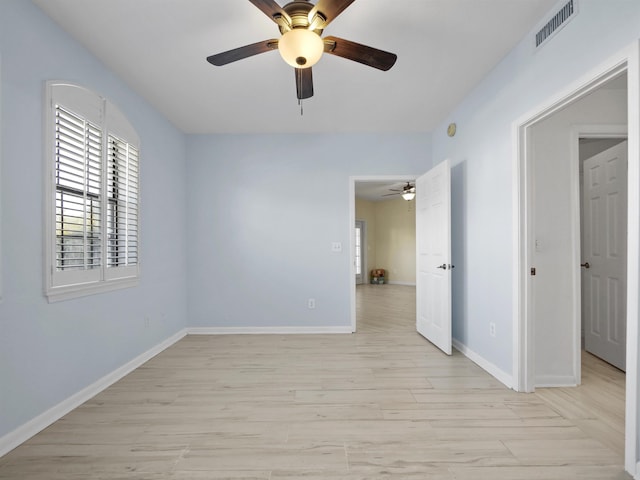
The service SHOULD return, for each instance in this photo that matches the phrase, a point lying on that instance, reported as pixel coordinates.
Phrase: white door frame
(352, 222)
(627, 61)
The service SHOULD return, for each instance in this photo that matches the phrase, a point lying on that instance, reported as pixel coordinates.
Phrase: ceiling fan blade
(329, 9)
(304, 83)
(271, 9)
(360, 53)
(242, 52)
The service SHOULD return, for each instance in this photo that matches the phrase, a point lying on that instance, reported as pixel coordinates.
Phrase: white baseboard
(406, 284)
(42, 421)
(555, 381)
(265, 330)
(489, 367)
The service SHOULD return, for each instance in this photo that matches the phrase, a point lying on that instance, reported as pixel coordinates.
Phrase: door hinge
(533, 271)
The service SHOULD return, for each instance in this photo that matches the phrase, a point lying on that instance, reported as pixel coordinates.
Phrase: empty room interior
(405, 245)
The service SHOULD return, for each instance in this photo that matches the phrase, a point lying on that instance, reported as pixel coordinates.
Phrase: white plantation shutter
(78, 179)
(93, 196)
(122, 198)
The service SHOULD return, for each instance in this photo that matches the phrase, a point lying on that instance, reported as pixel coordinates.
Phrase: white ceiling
(159, 47)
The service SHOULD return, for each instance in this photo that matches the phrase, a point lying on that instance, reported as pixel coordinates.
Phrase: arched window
(92, 194)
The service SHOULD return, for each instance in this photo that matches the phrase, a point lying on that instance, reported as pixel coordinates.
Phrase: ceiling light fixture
(300, 47)
(408, 195)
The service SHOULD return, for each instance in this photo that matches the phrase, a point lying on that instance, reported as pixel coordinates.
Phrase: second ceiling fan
(301, 23)
(408, 192)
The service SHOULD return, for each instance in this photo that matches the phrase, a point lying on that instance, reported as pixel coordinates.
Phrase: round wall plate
(451, 129)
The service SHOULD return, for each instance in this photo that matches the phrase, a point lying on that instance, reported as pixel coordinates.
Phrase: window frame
(100, 112)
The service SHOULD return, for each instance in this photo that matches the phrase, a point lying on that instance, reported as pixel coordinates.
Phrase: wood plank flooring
(380, 404)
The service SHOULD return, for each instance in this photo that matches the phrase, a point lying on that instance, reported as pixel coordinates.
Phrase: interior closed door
(604, 254)
(433, 256)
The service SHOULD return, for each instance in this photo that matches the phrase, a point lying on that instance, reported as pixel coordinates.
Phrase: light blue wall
(263, 211)
(50, 351)
(482, 157)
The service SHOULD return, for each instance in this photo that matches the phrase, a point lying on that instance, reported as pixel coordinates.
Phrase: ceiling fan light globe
(301, 48)
(408, 196)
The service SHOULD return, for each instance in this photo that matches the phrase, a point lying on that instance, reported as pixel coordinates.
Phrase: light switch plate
(336, 247)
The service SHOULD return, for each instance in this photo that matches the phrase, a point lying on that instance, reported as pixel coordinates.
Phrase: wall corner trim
(489, 367)
(37, 424)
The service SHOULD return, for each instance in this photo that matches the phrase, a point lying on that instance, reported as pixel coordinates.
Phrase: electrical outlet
(311, 303)
(492, 329)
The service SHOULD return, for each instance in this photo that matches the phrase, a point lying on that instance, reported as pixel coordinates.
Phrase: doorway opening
(547, 254)
(383, 233)
(562, 277)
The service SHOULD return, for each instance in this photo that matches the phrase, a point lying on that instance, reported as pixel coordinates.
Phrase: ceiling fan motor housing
(298, 11)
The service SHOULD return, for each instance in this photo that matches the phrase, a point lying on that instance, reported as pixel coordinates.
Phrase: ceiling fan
(408, 192)
(301, 23)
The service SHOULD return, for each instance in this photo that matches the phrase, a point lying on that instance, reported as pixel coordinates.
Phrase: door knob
(443, 266)
(585, 265)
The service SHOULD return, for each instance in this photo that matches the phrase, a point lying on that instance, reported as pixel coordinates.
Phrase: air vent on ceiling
(559, 20)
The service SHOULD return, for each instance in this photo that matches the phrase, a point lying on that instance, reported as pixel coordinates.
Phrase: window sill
(68, 292)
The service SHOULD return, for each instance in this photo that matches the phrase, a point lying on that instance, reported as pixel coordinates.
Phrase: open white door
(604, 262)
(433, 256)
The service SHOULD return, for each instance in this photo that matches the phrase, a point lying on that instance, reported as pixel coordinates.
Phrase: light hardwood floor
(379, 404)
